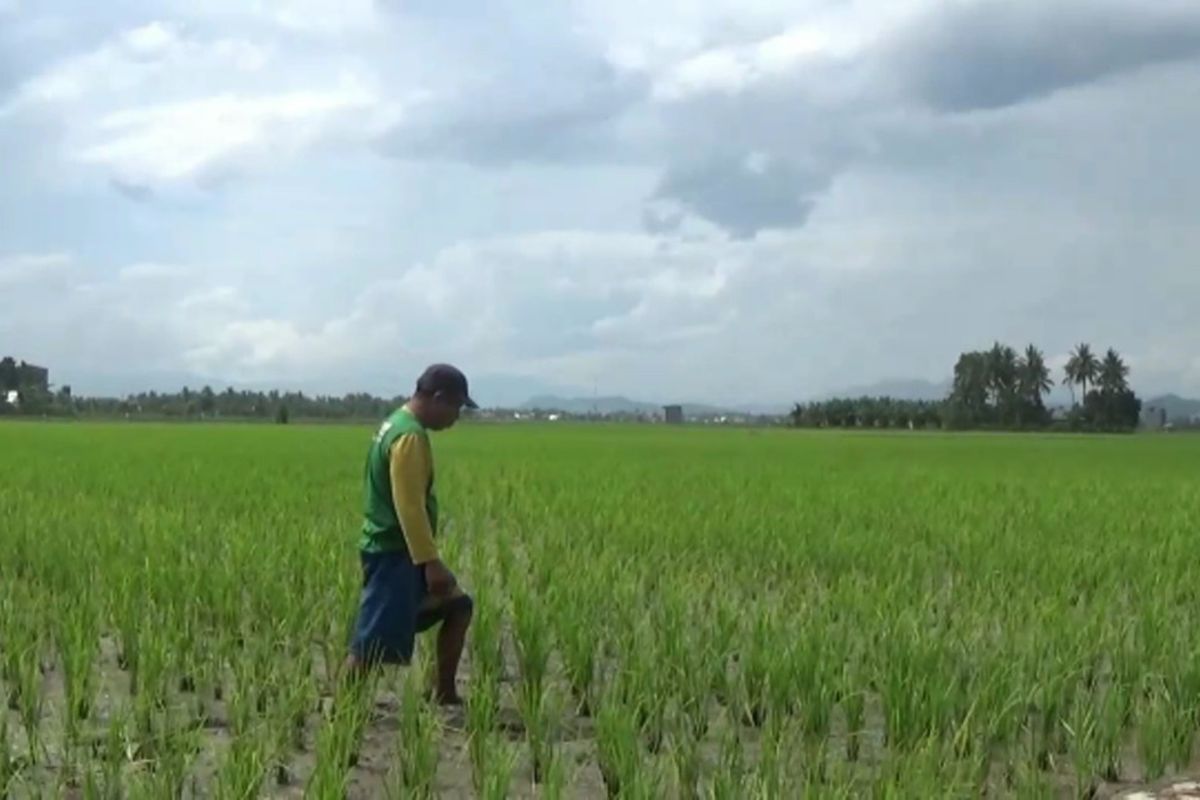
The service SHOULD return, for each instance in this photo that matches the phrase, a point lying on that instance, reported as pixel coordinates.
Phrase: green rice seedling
(151, 694)
(8, 764)
(732, 773)
(424, 665)
(415, 761)
(686, 759)
(690, 677)
(926, 769)
(299, 696)
(175, 755)
(1154, 729)
(756, 662)
(286, 718)
(853, 694)
(811, 675)
(724, 617)
(557, 777)
(541, 715)
(1033, 783)
(486, 642)
(77, 637)
(115, 755)
(770, 778)
(129, 604)
(31, 697)
(501, 765)
(618, 751)
(244, 769)
(339, 737)
(1083, 730)
(1110, 733)
(1181, 732)
(531, 631)
(648, 688)
(482, 713)
(505, 557)
(576, 634)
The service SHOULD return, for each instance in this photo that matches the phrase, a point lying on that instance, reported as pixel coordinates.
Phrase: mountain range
(619, 404)
(1179, 409)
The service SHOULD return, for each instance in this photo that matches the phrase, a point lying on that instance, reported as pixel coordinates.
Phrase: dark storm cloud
(997, 53)
(742, 197)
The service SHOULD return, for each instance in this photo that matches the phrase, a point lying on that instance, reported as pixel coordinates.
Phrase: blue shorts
(391, 611)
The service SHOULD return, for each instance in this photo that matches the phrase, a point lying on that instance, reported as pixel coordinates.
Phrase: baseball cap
(446, 379)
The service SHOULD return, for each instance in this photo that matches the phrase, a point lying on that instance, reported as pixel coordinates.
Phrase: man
(406, 587)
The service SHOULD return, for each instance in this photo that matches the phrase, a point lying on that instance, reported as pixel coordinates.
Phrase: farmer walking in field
(407, 589)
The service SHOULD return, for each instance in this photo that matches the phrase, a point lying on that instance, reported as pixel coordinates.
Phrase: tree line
(204, 404)
(999, 389)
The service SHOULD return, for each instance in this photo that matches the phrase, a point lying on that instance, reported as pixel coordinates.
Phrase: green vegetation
(998, 389)
(660, 612)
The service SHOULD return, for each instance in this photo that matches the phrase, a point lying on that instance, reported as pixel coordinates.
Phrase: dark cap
(445, 379)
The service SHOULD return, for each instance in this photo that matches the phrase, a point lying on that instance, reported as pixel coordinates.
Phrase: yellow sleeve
(410, 464)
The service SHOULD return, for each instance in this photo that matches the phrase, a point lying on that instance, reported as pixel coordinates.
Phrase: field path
(1176, 790)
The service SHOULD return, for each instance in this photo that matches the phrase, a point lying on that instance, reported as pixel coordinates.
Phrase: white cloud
(161, 103)
(152, 271)
(178, 141)
(733, 69)
(31, 268)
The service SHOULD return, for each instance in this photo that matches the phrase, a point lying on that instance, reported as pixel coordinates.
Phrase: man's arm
(410, 464)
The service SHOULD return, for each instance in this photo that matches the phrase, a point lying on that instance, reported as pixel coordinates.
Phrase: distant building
(673, 414)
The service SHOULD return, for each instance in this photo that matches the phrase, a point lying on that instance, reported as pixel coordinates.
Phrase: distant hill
(1179, 409)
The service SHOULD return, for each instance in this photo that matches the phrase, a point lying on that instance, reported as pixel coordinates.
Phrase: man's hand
(438, 579)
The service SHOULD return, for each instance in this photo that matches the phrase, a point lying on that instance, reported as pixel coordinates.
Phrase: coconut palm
(1113, 374)
(1087, 367)
(1033, 376)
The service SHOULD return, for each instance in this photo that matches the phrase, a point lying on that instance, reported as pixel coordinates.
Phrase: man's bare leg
(452, 638)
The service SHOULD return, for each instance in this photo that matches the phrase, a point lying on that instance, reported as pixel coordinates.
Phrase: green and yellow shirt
(401, 508)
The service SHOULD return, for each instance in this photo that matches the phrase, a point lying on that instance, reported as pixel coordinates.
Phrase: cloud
(152, 271)
(673, 200)
(161, 104)
(993, 53)
(187, 140)
(31, 268)
(743, 195)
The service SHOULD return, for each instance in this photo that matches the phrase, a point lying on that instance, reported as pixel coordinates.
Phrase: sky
(750, 202)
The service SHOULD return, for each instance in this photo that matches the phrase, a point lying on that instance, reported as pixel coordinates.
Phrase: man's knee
(461, 607)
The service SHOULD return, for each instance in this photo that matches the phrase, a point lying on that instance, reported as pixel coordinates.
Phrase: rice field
(659, 613)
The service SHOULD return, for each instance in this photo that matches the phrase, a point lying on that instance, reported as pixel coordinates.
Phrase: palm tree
(1113, 374)
(1086, 367)
(1033, 376)
(1071, 376)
